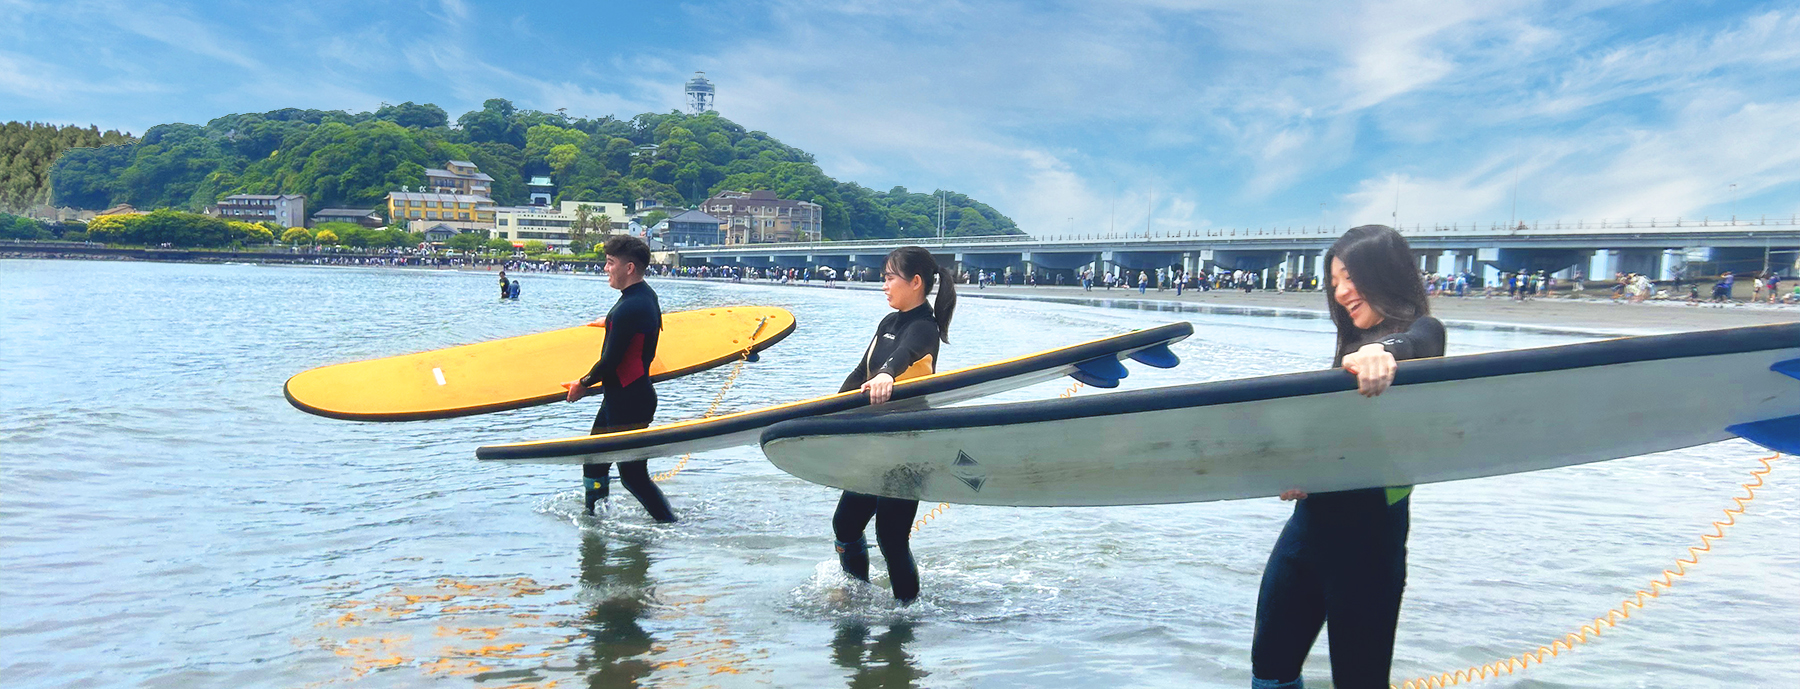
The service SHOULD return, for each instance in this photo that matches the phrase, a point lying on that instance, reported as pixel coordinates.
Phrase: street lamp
(1734, 204)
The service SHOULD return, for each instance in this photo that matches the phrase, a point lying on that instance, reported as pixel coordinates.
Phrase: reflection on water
(616, 585)
(879, 662)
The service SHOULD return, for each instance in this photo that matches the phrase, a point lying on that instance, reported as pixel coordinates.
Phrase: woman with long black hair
(1341, 559)
(905, 342)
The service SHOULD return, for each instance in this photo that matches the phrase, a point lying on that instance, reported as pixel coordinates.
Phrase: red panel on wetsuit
(634, 366)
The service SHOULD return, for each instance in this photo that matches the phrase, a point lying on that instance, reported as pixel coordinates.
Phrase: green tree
(466, 241)
(296, 236)
(499, 245)
(414, 116)
(250, 233)
(326, 237)
(536, 247)
(29, 152)
(19, 227)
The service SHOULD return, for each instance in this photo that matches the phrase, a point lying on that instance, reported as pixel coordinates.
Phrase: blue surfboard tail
(1100, 372)
(1789, 368)
(1782, 434)
(1159, 356)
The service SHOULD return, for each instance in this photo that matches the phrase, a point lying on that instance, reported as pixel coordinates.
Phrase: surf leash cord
(737, 367)
(1592, 630)
(944, 506)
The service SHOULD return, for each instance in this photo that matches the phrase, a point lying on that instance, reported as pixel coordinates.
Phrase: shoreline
(1597, 315)
(1584, 316)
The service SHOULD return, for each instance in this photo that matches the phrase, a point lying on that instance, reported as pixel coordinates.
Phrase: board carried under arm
(523, 371)
(1095, 363)
(1444, 419)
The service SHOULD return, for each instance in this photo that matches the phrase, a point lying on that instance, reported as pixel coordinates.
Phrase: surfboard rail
(940, 388)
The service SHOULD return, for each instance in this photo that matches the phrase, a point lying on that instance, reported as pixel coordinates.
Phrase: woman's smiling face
(1343, 290)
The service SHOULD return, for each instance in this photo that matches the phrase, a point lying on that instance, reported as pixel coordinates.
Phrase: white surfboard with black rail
(1443, 419)
(1096, 363)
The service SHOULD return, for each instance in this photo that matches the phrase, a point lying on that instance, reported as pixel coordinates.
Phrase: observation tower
(699, 94)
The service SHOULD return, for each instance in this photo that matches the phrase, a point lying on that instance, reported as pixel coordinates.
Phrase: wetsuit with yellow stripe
(1341, 561)
(905, 340)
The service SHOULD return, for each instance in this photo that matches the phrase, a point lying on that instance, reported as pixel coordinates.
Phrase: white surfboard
(1444, 419)
(1096, 363)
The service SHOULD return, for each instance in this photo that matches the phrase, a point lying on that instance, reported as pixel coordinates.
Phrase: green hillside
(341, 159)
(27, 150)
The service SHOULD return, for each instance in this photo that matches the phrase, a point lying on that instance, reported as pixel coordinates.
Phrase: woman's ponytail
(945, 305)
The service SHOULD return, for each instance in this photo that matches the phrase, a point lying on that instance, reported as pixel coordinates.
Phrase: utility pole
(1149, 209)
(1396, 210)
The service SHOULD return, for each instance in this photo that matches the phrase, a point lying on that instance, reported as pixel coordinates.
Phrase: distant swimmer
(1341, 559)
(505, 287)
(513, 289)
(906, 337)
(623, 373)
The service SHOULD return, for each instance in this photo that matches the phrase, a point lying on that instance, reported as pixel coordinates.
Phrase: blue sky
(1191, 113)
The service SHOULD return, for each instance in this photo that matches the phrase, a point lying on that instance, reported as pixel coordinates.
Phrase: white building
(552, 224)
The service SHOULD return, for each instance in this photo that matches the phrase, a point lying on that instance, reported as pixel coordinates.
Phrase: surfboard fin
(1781, 434)
(1100, 372)
(753, 357)
(1789, 368)
(1158, 356)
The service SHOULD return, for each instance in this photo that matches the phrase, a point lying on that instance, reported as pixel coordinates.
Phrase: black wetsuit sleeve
(629, 318)
(912, 344)
(1424, 338)
(860, 373)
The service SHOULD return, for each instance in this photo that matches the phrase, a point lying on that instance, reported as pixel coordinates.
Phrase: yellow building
(459, 211)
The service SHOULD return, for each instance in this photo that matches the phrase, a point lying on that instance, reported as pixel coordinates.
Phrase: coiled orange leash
(943, 506)
(1613, 617)
(737, 367)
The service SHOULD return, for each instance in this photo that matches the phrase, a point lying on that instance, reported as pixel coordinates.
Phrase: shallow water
(169, 521)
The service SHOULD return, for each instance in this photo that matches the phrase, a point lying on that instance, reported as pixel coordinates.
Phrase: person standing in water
(905, 339)
(1341, 559)
(623, 373)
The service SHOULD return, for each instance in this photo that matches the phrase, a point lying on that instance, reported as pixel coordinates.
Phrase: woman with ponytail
(905, 343)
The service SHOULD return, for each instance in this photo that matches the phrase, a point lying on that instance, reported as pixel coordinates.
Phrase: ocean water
(168, 520)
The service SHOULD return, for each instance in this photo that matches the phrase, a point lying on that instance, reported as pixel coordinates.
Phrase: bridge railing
(1488, 229)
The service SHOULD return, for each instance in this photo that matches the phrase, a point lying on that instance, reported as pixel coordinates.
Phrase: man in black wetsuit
(623, 373)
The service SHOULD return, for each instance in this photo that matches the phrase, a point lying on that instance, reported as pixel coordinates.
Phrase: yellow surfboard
(522, 371)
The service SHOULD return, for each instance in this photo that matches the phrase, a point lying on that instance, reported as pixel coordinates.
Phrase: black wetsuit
(903, 338)
(623, 372)
(1341, 560)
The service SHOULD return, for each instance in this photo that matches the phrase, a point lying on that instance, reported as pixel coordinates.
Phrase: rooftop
(694, 217)
(482, 176)
(428, 196)
(262, 197)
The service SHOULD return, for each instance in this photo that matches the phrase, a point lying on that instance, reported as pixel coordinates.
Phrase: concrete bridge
(1659, 248)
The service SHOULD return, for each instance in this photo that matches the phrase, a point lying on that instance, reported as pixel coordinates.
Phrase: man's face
(619, 272)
